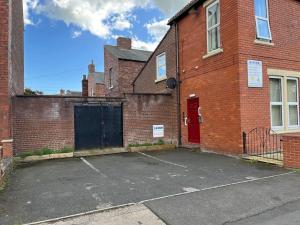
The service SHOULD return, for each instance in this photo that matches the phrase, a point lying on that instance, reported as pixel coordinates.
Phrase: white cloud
(99, 17)
(76, 34)
(104, 18)
(156, 30)
(144, 45)
(27, 6)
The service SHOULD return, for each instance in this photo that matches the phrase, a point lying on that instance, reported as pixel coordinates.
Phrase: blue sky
(63, 36)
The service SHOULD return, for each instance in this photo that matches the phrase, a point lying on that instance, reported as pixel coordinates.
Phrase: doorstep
(264, 160)
(195, 147)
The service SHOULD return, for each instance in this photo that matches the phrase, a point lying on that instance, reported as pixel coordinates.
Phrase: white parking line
(215, 187)
(92, 167)
(164, 161)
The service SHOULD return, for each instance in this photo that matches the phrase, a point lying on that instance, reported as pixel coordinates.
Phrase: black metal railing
(263, 142)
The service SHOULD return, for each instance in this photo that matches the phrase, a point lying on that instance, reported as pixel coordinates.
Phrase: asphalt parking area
(181, 187)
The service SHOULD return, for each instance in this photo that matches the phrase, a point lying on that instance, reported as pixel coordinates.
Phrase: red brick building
(11, 72)
(11, 61)
(122, 64)
(96, 84)
(239, 67)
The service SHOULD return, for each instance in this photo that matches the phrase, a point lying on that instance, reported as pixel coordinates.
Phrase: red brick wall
(11, 60)
(145, 82)
(128, 71)
(215, 80)
(40, 122)
(291, 151)
(141, 112)
(284, 55)
(100, 90)
(111, 62)
(4, 99)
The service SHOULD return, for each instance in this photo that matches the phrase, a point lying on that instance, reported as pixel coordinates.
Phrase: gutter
(178, 87)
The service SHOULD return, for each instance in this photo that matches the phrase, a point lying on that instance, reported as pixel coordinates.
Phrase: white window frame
(208, 29)
(278, 104)
(267, 19)
(110, 78)
(158, 78)
(293, 104)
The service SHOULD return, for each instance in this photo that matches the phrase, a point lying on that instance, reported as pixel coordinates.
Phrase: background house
(122, 65)
(96, 83)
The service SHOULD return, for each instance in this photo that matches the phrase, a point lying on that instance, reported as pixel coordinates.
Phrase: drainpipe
(178, 87)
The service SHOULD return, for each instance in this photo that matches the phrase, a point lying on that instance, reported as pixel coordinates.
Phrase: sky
(63, 36)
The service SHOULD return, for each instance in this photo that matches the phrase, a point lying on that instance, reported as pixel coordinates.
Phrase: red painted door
(193, 120)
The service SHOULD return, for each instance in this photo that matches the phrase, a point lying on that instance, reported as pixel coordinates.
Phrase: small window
(293, 102)
(213, 26)
(161, 68)
(263, 30)
(110, 78)
(276, 98)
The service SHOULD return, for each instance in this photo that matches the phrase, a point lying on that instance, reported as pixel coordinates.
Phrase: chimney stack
(85, 87)
(62, 92)
(92, 68)
(124, 43)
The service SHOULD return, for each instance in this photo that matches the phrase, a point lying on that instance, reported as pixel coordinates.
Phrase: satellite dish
(171, 83)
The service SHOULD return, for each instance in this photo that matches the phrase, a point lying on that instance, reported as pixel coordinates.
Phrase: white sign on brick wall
(255, 74)
(158, 131)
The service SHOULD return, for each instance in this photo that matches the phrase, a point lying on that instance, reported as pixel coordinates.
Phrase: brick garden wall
(45, 121)
(291, 150)
(142, 111)
(40, 122)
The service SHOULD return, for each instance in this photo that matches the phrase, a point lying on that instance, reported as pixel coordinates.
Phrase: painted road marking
(163, 197)
(164, 161)
(92, 167)
(215, 187)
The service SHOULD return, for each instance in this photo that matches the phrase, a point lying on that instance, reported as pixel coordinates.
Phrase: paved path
(132, 215)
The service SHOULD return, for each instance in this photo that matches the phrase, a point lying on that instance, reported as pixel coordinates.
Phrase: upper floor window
(263, 30)
(161, 68)
(110, 78)
(213, 26)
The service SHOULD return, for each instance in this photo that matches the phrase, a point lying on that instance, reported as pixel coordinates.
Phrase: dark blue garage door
(98, 127)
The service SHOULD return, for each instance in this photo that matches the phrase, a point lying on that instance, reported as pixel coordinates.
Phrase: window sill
(296, 130)
(161, 79)
(259, 42)
(212, 53)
